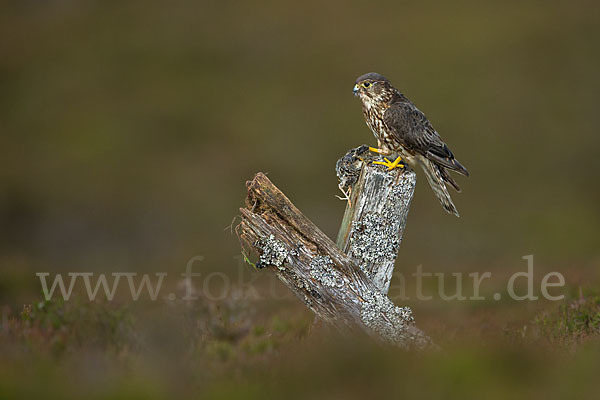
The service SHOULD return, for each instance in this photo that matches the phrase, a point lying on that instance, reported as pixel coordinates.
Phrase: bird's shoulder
(410, 123)
(413, 131)
(401, 109)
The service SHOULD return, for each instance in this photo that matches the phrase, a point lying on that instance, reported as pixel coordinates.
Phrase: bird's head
(372, 88)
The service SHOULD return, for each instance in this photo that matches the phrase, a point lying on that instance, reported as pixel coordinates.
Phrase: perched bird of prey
(401, 128)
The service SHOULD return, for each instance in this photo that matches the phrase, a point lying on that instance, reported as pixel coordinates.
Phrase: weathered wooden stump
(375, 217)
(346, 285)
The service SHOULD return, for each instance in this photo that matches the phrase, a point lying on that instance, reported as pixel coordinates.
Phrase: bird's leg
(378, 151)
(390, 164)
(346, 195)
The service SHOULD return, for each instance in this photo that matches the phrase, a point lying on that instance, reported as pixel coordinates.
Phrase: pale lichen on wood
(329, 282)
(376, 214)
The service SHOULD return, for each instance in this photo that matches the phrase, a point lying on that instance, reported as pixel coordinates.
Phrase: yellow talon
(391, 165)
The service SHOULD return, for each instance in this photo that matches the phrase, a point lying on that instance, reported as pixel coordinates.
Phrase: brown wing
(414, 131)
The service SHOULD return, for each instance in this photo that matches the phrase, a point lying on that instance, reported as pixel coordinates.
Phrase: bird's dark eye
(366, 84)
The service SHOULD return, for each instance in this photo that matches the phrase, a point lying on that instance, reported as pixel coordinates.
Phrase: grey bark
(375, 216)
(331, 283)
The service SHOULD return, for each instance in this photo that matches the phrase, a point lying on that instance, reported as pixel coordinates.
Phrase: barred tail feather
(448, 179)
(435, 177)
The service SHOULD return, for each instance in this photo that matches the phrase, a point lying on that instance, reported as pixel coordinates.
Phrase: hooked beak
(355, 90)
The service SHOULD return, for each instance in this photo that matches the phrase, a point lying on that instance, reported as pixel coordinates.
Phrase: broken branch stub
(310, 264)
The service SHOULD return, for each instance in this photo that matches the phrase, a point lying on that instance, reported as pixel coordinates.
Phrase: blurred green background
(128, 130)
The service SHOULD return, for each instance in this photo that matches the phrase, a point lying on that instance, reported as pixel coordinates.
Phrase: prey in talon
(348, 170)
(400, 127)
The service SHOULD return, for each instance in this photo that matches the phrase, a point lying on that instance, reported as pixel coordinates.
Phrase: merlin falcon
(402, 129)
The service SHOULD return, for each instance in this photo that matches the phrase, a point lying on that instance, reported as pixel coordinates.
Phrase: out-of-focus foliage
(575, 322)
(226, 350)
